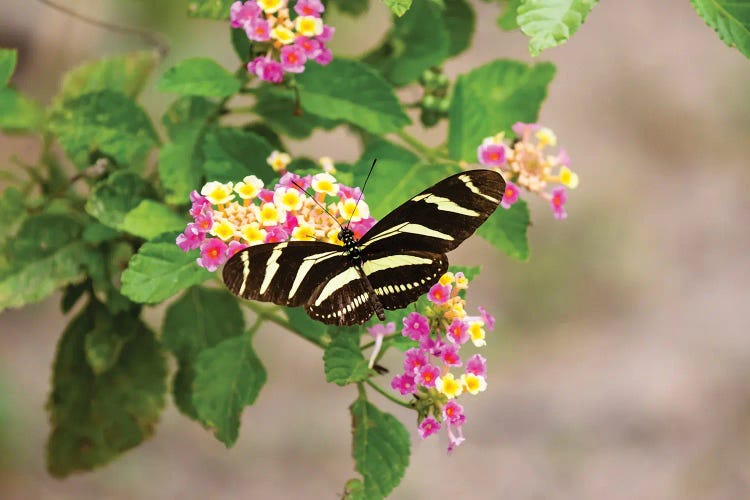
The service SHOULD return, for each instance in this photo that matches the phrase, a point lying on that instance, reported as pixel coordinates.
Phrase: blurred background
(620, 367)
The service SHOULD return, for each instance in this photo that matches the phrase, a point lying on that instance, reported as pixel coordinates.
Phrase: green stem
(416, 145)
(386, 395)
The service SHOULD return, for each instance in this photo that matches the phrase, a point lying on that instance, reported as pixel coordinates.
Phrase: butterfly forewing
(401, 278)
(439, 218)
(284, 273)
(344, 298)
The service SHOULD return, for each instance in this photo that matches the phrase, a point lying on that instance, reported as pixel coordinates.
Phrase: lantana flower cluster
(287, 39)
(230, 216)
(525, 163)
(435, 372)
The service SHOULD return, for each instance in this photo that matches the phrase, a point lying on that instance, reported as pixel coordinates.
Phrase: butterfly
(399, 259)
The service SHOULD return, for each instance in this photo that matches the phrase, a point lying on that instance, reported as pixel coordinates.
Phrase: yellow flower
(462, 282)
(476, 333)
(333, 236)
(288, 198)
(325, 183)
(270, 214)
(223, 230)
(253, 234)
(446, 279)
(271, 6)
(448, 385)
(249, 187)
(218, 193)
(456, 309)
(568, 177)
(279, 161)
(327, 163)
(303, 232)
(546, 137)
(309, 25)
(473, 384)
(283, 35)
(348, 211)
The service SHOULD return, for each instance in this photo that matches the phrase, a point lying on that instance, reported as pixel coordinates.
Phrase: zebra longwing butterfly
(399, 259)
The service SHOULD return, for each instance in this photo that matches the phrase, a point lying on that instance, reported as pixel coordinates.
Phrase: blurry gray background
(620, 367)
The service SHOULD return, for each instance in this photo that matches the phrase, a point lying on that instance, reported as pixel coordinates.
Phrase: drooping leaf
(730, 19)
(126, 73)
(151, 218)
(381, 448)
(351, 91)
(228, 377)
(199, 76)
(105, 121)
(490, 99)
(112, 198)
(231, 154)
(506, 230)
(18, 113)
(551, 22)
(95, 418)
(159, 270)
(8, 59)
(398, 7)
(104, 343)
(460, 21)
(507, 19)
(343, 361)
(211, 9)
(182, 389)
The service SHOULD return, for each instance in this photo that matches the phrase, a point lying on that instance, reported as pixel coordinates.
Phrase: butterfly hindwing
(284, 273)
(399, 279)
(344, 298)
(439, 218)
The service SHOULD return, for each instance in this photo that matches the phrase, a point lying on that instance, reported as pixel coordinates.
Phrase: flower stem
(386, 395)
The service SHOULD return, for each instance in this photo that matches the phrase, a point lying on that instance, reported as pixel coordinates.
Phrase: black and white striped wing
(344, 298)
(285, 273)
(439, 218)
(399, 279)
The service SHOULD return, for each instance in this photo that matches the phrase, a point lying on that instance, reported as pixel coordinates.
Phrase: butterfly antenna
(374, 161)
(318, 203)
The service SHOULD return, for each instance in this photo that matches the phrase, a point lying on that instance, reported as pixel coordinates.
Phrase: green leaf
(112, 198)
(211, 9)
(507, 20)
(95, 418)
(381, 448)
(187, 117)
(470, 272)
(104, 121)
(730, 19)
(46, 255)
(199, 76)
(490, 99)
(8, 59)
(104, 343)
(306, 326)
(12, 206)
(97, 233)
(460, 20)
(19, 113)
(151, 218)
(231, 154)
(159, 270)
(241, 44)
(182, 389)
(551, 22)
(351, 91)
(126, 74)
(343, 361)
(419, 40)
(228, 377)
(398, 7)
(277, 110)
(506, 230)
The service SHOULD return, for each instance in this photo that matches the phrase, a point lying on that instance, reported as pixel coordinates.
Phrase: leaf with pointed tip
(730, 19)
(126, 73)
(8, 59)
(551, 22)
(199, 76)
(343, 361)
(149, 219)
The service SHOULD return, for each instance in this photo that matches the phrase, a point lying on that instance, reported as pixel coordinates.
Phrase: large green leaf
(113, 198)
(228, 377)
(8, 59)
(343, 361)
(490, 99)
(551, 22)
(104, 343)
(730, 19)
(351, 91)
(460, 20)
(104, 121)
(506, 230)
(199, 76)
(159, 270)
(47, 254)
(187, 117)
(127, 74)
(277, 109)
(151, 218)
(507, 19)
(381, 448)
(95, 418)
(212, 9)
(18, 113)
(231, 154)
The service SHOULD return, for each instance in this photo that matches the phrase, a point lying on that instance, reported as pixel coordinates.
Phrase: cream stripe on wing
(305, 267)
(408, 227)
(445, 204)
(271, 267)
(245, 272)
(393, 262)
(337, 282)
(474, 189)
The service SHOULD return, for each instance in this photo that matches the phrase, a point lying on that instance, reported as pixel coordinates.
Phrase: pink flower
(511, 195)
(290, 223)
(311, 46)
(433, 346)
(477, 365)
(557, 202)
(416, 326)
(258, 30)
(491, 154)
(275, 234)
(213, 254)
(427, 375)
(346, 192)
(563, 158)
(428, 427)
(452, 412)
(266, 69)
(327, 33)
(456, 441)
(449, 355)
(190, 239)
(234, 247)
(203, 222)
(489, 320)
(360, 227)
(309, 8)
(458, 332)
(414, 360)
(293, 58)
(240, 14)
(325, 56)
(288, 179)
(382, 329)
(521, 128)
(439, 294)
(200, 204)
(266, 195)
(404, 384)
